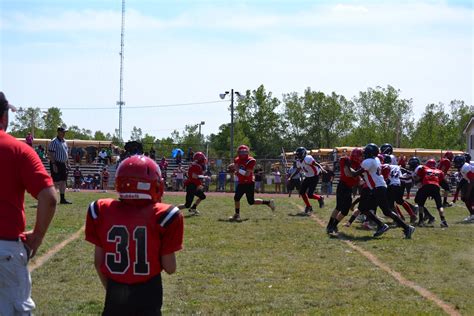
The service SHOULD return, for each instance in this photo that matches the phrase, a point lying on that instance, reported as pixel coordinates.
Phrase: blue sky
(65, 54)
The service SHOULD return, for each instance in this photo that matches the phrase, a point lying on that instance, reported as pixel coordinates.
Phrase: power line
(140, 106)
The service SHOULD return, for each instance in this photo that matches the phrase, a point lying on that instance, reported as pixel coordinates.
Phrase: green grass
(269, 264)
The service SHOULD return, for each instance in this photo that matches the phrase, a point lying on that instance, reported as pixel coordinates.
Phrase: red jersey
(21, 170)
(134, 237)
(247, 165)
(385, 171)
(430, 176)
(196, 169)
(444, 165)
(349, 181)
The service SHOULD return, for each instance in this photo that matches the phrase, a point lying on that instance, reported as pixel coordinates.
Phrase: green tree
(148, 142)
(99, 135)
(136, 134)
(52, 120)
(258, 119)
(27, 120)
(381, 116)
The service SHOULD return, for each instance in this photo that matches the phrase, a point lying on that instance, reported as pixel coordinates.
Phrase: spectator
(77, 179)
(91, 152)
(40, 151)
(21, 170)
(59, 163)
(258, 179)
(96, 181)
(178, 158)
(103, 156)
(109, 152)
(326, 181)
(277, 176)
(152, 154)
(179, 177)
(105, 179)
(89, 182)
(29, 140)
(190, 154)
(221, 180)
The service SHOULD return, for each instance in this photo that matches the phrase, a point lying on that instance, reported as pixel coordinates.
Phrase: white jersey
(372, 175)
(308, 166)
(416, 180)
(406, 177)
(395, 175)
(467, 171)
(394, 160)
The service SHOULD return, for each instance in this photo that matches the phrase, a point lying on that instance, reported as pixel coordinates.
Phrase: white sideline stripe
(42, 260)
(448, 308)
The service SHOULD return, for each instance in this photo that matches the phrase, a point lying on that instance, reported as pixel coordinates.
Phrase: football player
(466, 185)
(244, 165)
(193, 183)
(371, 171)
(430, 179)
(305, 163)
(135, 238)
(444, 165)
(344, 189)
(395, 190)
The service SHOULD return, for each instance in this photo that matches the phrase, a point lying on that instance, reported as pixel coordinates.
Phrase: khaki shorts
(15, 280)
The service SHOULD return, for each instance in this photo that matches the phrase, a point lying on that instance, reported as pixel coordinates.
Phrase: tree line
(312, 119)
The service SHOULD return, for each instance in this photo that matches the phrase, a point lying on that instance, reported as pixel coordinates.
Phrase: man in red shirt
(430, 179)
(135, 238)
(21, 171)
(244, 165)
(193, 183)
(444, 165)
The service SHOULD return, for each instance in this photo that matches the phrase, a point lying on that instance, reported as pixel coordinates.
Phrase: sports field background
(278, 263)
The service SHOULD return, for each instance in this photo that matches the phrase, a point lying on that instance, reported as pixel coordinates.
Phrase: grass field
(282, 264)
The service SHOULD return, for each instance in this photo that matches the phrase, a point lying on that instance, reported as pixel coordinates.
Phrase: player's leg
(407, 206)
(199, 193)
(380, 195)
(436, 194)
(304, 196)
(239, 192)
(365, 205)
(343, 204)
(252, 200)
(313, 182)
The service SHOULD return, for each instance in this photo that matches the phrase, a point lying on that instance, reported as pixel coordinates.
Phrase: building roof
(468, 125)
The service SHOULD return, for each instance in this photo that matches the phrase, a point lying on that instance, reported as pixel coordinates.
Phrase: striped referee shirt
(59, 150)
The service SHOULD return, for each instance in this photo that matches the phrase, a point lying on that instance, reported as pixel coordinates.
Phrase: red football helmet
(139, 178)
(449, 155)
(243, 151)
(381, 158)
(402, 161)
(356, 155)
(431, 164)
(200, 158)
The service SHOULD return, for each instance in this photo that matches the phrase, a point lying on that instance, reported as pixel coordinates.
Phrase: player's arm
(99, 257)
(317, 164)
(168, 262)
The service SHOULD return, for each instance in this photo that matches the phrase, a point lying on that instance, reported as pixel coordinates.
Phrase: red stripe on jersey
(371, 183)
(315, 170)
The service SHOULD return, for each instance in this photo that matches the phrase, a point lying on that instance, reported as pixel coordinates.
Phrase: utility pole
(121, 103)
(239, 96)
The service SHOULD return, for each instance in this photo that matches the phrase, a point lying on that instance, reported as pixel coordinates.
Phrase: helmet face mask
(387, 159)
(459, 161)
(449, 155)
(386, 149)
(139, 178)
(371, 151)
(300, 153)
(200, 158)
(243, 151)
(431, 164)
(413, 163)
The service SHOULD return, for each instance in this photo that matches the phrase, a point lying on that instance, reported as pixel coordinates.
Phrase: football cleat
(235, 218)
(321, 202)
(444, 224)
(381, 230)
(308, 210)
(409, 232)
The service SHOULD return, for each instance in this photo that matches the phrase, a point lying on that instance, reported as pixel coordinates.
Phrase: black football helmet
(413, 163)
(300, 153)
(386, 149)
(467, 157)
(387, 159)
(459, 161)
(371, 150)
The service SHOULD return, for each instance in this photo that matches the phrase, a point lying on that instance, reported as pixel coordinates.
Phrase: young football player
(193, 184)
(105, 179)
(430, 179)
(444, 165)
(395, 190)
(305, 163)
(371, 171)
(244, 166)
(344, 189)
(466, 185)
(135, 238)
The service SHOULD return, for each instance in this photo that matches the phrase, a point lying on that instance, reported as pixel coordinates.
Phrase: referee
(59, 163)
